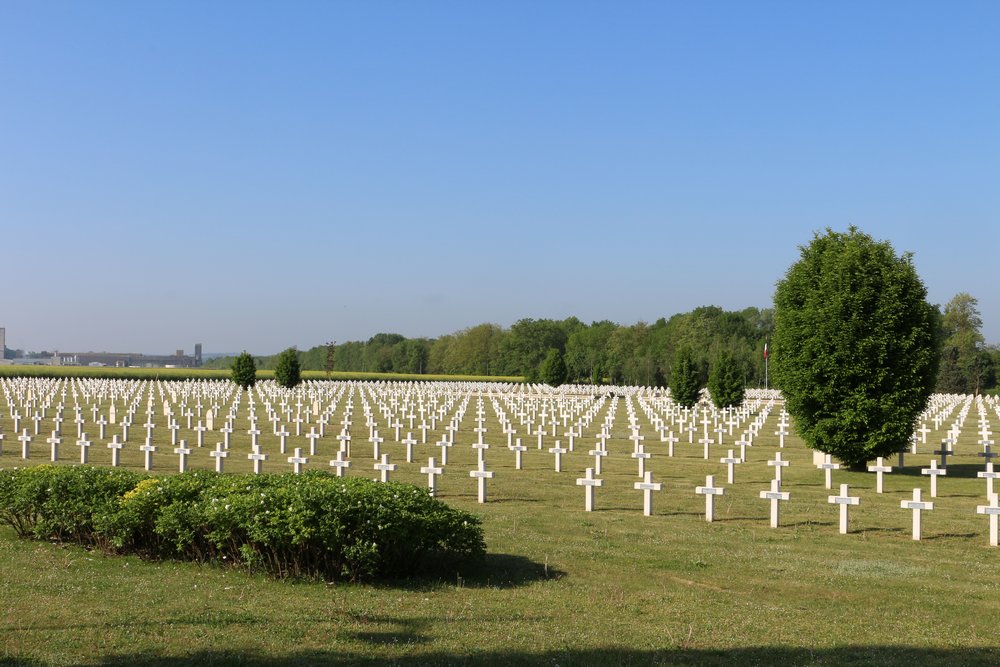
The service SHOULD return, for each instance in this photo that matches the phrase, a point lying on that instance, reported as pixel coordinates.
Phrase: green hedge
(314, 524)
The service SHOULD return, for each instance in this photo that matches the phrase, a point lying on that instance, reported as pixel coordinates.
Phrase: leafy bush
(314, 524)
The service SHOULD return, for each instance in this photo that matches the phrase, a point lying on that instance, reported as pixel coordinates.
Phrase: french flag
(765, 350)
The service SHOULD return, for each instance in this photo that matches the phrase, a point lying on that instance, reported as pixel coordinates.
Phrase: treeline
(600, 352)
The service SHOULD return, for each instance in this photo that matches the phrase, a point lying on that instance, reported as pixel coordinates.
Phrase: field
(560, 586)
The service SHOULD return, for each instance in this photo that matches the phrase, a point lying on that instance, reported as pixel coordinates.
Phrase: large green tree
(684, 381)
(553, 371)
(244, 370)
(966, 364)
(725, 381)
(855, 347)
(287, 372)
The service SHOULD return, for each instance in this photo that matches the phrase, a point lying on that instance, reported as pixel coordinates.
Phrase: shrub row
(314, 524)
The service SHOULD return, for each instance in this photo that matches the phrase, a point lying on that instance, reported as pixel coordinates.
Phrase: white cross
(297, 460)
(647, 486)
(340, 464)
(933, 471)
(432, 470)
(844, 500)
(640, 454)
(254, 433)
(25, 440)
(731, 462)
(385, 467)
(709, 491)
(993, 511)
(598, 455)
(558, 452)
(589, 482)
(917, 506)
(258, 457)
(880, 468)
(54, 440)
(481, 475)
(670, 440)
(775, 495)
(200, 430)
(345, 441)
(174, 427)
(989, 475)
(219, 454)
(518, 449)
(828, 466)
(312, 435)
(282, 439)
(147, 449)
(376, 440)
(182, 453)
(444, 444)
(115, 446)
(84, 446)
(409, 441)
(777, 463)
(707, 441)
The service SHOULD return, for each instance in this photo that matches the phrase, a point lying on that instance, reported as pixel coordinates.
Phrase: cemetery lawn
(560, 586)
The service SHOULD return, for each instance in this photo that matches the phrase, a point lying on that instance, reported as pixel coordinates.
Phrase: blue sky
(259, 175)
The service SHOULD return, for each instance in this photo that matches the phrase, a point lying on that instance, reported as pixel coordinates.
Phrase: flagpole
(765, 365)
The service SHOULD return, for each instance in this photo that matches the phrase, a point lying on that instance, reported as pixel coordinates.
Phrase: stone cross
(558, 452)
(282, 439)
(781, 433)
(25, 440)
(944, 452)
(647, 486)
(409, 441)
(376, 441)
(102, 425)
(54, 440)
(918, 506)
(518, 449)
(989, 475)
(775, 495)
(200, 430)
(993, 511)
(312, 436)
(345, 441)
(598, 455)
(588, 481)
(731, 463)
(710, 491)
(844, 500)
(707, 442)
(254, 434)
(297, 461)
(481, 475)
(828, 466)
(432, 470)
(340, 464)
(480, 448)
(115, 446)
(640, 455)
(670, 440)
(258, 457)
(778, 464)
(173, 428)
(933, 471)
(147, 449)
(84, 446)
(219, 454)
(880, 468)
(385, 468)
(182, 453)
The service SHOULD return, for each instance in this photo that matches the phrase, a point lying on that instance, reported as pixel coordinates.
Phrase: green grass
(560, 586)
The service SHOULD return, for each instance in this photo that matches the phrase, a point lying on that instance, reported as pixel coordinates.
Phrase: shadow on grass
(959, 470)
(764, 655)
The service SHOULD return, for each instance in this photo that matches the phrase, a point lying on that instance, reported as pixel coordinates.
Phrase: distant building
(131, 359)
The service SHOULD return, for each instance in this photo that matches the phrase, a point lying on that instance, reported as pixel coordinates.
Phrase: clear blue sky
(259, 175)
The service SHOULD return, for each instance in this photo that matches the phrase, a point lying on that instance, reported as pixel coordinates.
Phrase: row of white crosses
(576, 412)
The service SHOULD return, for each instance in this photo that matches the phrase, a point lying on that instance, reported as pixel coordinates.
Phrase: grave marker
(844, 500)
(589, 482)
(775, 495)
(918, 506)
(710, 491)
(647, 486)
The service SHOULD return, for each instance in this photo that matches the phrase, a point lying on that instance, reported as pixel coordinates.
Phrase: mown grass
(560, 586)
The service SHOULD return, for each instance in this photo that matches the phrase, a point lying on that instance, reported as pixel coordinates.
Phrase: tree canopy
(287, 372)
(244, 370)
(855, 347)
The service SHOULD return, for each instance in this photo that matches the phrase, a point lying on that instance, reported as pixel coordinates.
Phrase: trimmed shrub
(314, 524)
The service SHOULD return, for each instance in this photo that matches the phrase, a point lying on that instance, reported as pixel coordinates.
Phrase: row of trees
(558, 351)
